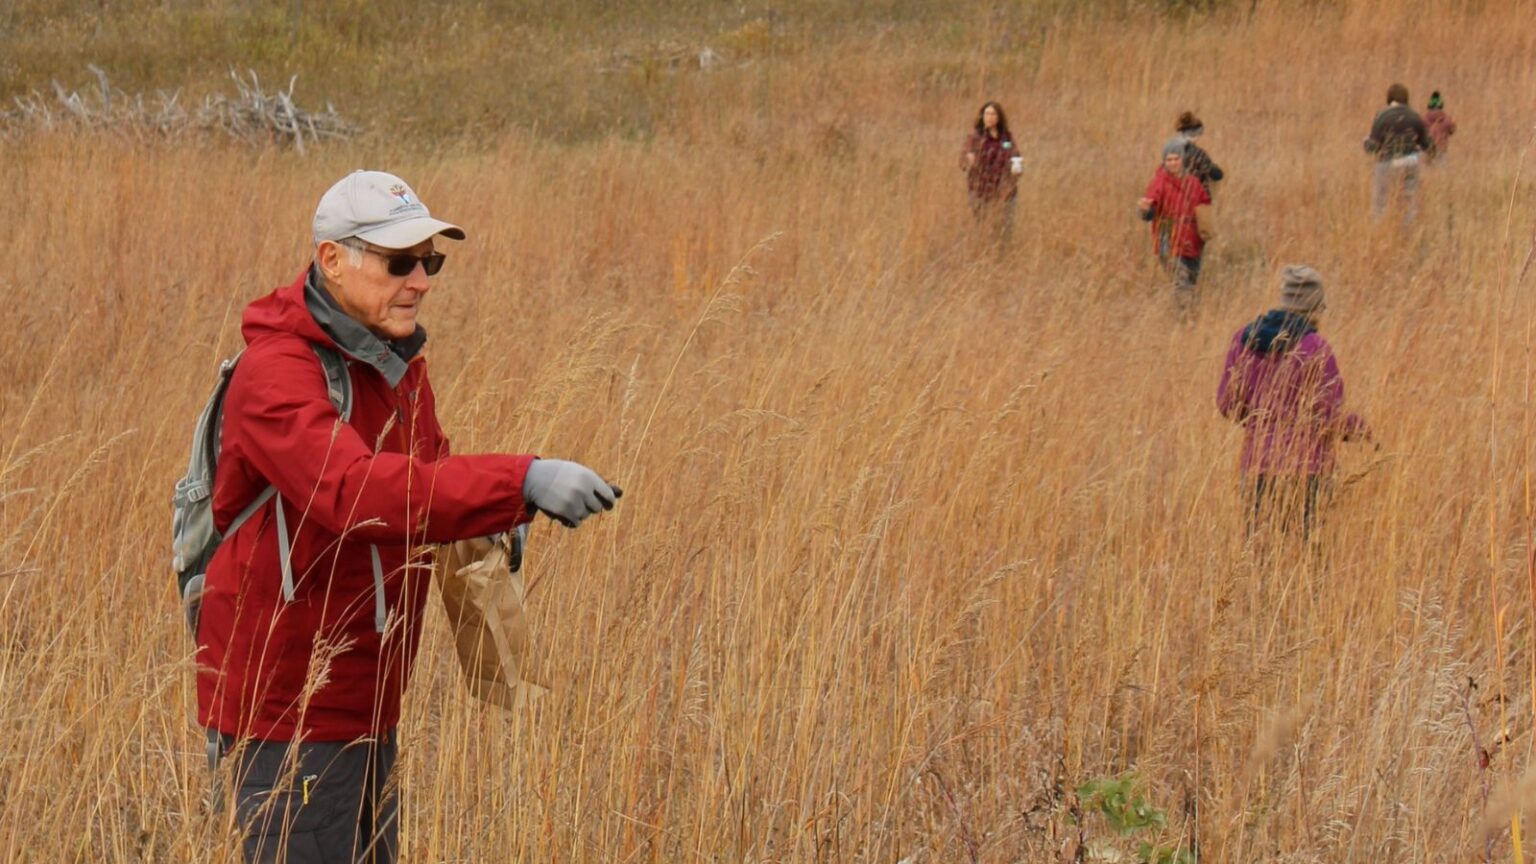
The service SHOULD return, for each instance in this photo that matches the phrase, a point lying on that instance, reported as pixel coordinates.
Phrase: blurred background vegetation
(572, 70)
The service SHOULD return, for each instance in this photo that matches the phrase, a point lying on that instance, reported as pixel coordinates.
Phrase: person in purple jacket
(1282, 384)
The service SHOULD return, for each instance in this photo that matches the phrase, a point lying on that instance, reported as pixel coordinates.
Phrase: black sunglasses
(401, 264)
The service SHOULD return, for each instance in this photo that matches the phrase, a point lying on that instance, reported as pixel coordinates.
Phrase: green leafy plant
(1161, 854)
(1127, 811)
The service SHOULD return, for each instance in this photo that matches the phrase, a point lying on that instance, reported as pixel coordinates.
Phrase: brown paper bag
(1205, 222)
(484, 601)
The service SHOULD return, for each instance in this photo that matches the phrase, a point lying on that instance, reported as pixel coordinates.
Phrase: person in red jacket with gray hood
(1169, 204)
(312, 609)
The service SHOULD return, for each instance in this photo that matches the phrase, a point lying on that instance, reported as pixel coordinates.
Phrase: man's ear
(330, 255)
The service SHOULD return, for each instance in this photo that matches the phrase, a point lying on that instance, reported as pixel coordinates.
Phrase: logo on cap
(402, 193)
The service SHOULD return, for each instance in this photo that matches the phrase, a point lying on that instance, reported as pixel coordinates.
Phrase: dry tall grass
(915, 541)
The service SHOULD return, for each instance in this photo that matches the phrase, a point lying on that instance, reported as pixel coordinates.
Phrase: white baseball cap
(379, 208)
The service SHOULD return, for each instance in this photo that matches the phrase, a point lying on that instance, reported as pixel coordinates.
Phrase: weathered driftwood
(250, 113)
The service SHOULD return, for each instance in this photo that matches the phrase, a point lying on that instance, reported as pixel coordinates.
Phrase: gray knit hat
(1301, 290)
(1176, 144)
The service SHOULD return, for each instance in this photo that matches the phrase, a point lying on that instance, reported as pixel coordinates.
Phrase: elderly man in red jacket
(313, 608)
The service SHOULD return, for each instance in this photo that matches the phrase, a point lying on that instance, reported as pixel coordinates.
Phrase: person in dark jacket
(991, 163)
(1281, 382)
(1441, 126)
(313, 608)
(1397, 140)
(1170, 204)
(1196, 160)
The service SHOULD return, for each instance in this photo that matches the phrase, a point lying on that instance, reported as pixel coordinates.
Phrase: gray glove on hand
(567, 492)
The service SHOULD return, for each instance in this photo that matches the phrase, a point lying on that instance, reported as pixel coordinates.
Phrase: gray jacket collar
(356, 341)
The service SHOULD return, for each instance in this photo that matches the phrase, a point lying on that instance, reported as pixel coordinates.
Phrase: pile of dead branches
(251, 113)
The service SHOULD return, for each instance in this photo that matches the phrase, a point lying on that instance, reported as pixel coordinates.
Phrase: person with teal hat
(1441, 127)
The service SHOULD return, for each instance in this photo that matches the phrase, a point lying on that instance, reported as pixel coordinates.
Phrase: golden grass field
(915, 541)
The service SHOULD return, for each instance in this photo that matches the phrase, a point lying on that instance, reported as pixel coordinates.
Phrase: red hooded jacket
(1441, 128)
(316, 667)
(1174, 200)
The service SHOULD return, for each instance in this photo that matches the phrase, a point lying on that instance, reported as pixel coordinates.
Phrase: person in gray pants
(1398, 139)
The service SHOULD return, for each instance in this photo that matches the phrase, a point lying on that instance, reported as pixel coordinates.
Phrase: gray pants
(325, 802)
(1392, 180)
(1186, 290)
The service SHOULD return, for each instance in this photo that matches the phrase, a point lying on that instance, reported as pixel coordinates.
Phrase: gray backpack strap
(338, 381)
(380, 609)
(249, 511)
(284, 552)
(338, 387)
(215, 748)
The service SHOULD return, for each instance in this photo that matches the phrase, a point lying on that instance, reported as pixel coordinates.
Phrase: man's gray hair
(354, 248)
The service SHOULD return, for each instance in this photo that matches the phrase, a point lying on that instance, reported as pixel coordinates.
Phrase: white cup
(1016, 164)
